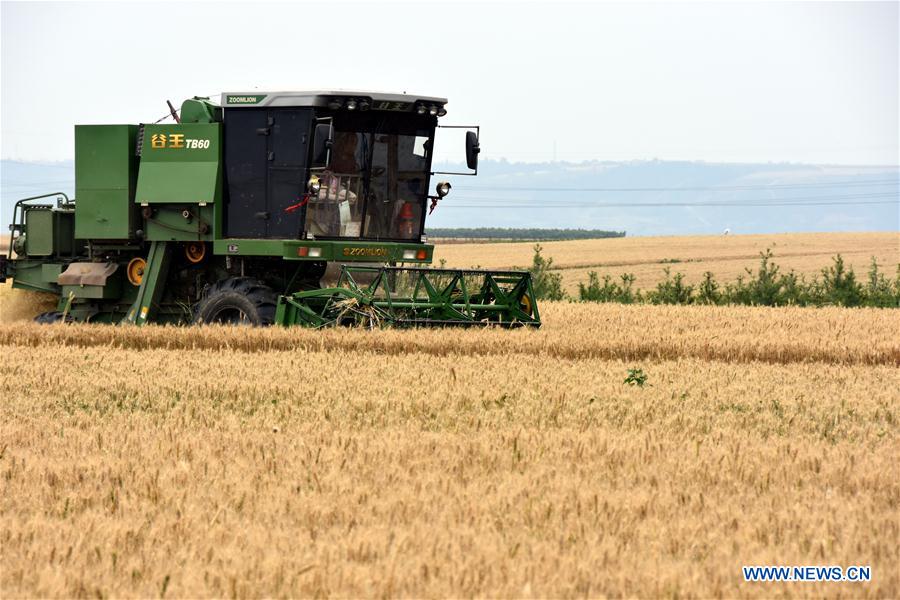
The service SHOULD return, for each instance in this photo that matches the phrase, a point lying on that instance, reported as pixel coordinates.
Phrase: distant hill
(673, 198)
(641, 197)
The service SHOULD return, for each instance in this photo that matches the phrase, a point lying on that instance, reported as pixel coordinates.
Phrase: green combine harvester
(289, 208)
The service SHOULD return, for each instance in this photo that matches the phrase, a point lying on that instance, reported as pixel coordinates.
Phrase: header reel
(415, 297)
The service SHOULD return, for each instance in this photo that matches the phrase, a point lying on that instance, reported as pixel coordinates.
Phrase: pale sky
(737, 82)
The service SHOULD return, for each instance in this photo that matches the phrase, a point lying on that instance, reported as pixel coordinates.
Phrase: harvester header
(250, 210)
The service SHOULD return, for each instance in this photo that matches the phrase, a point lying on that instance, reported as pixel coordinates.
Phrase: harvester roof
(328, 99)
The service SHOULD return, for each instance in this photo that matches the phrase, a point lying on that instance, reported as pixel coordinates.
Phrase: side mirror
(472, 150)
(322, 142)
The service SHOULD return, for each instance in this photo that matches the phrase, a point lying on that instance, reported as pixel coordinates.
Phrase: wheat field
(212, 461)
(231, 462)
(726, 257)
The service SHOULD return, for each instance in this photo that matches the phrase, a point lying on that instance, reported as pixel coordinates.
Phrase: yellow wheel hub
(195, 251)
(135, 270)
(526, 305)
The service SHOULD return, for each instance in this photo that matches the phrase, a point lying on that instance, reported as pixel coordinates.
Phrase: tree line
(521, 234)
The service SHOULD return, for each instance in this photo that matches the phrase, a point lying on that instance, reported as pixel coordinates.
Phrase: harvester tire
(237, 300)
(54, 316)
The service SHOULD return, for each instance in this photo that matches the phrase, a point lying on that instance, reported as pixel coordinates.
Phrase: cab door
(266, 166)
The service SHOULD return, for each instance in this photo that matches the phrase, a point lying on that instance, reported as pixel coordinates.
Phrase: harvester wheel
(54, 316)
(237, 300)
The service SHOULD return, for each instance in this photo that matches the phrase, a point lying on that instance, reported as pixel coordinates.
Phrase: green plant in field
(547, 285)
(595, 291)
(766, 286)
(878, 290)
(708, 290)
(672, 291)
(795, 290)
(761, 288)
(608, 291)
(636, 377)
(839, 285)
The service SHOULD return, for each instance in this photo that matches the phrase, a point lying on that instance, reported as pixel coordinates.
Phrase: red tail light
(421, 255)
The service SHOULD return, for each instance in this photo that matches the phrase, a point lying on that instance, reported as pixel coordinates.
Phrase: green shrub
(839, 285)
(607, 291)
(879, 291)
(671, 291)
(794, 290)
(763, 287)
(708, 290)
(547, 285)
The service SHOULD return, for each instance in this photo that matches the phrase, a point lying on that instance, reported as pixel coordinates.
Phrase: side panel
(179, 164)
(50, 232)
(39, 232)
(105, 178)
(245, 173)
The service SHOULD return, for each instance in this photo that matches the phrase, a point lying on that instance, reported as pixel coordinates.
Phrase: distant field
(646, 257)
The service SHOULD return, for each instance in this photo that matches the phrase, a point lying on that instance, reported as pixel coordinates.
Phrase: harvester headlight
(351, 104)
(363, 105)
(334, 103)
(433, 111)
(315, 252)
(420, 109)
(409, 255)
(443, 188)
(314, 185)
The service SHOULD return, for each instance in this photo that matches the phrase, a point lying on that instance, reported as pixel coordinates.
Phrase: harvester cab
(234, 212)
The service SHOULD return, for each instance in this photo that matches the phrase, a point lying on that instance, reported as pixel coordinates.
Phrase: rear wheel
(238, 301)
